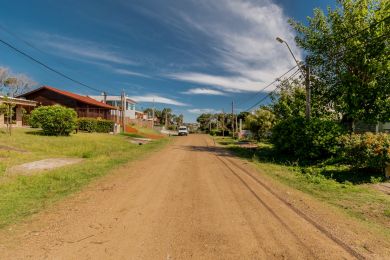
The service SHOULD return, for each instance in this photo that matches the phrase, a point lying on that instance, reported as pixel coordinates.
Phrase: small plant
(54, 120)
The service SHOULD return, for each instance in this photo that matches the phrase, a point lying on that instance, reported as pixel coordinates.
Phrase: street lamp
(306, 72)
(292, 54)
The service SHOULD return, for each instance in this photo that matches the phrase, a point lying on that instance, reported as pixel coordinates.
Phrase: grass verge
(358, 200)
(21, 196)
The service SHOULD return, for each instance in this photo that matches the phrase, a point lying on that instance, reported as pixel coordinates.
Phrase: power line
(47, 66)
(268, 94)
(264, 88)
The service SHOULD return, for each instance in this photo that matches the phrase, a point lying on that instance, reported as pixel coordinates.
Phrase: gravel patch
(35, 167)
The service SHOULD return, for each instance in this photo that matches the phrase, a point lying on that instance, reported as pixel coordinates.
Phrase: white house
(115, 101)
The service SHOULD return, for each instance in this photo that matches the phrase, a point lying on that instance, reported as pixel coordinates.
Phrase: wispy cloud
(157, 99)
(242, 35)
(130, 73)
(79, 49)
(203, 91)
(228, 83)
(203, 111)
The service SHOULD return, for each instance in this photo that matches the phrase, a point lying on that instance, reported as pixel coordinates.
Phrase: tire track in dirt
(320, 228)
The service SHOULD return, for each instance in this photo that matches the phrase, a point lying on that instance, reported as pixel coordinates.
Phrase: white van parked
(183, 130)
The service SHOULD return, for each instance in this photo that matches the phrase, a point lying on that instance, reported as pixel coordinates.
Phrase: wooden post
(308, 92)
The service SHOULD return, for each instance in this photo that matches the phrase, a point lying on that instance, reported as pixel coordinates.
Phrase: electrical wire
(267, 86)
(273, 91)
(48, 67)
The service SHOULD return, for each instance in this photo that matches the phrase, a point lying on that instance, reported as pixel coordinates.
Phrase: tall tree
(13, 85)
(348, 52)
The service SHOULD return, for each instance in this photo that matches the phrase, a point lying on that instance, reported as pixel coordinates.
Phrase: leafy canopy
(348, 51)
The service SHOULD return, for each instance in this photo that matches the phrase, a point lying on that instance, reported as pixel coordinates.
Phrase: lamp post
(306, 72)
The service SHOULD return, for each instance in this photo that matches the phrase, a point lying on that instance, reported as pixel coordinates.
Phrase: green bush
(95, 125)
(306, 140)
(365, 150)
(54, 120)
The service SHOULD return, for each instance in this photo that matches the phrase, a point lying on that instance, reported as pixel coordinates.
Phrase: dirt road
(189, 201)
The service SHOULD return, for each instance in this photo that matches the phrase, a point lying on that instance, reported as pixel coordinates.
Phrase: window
(111, 103)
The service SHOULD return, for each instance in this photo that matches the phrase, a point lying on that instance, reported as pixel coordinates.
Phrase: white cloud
(130, 73)
(79, 49)
(203, 111)
(228, 83)
(203, 91)
(242, 34)
(157, 99)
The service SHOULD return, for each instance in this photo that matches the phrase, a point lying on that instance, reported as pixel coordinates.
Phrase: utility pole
(104, 97)
(123, 101)
(223, 123)
(153, 115)
(166, 120)
(236, 118)
(233, 118)
(308, 92)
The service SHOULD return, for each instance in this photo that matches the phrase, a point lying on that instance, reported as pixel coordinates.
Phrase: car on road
(183, 130)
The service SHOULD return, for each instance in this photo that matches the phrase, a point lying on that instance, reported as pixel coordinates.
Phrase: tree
(260, 122)
(179, 120)
(204, 121)
(13, 85)
(166, 115)
(7, 108)
(348, 52)
(289, 102)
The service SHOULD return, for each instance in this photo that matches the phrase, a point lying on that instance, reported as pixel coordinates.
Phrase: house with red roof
(83, 105)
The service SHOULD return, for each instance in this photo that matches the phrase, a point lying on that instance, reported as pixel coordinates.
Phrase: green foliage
(95, 125)
(54, 120)
(348, 51)
(260, 123)
(366, 150)
(289, 102)
(306, 140)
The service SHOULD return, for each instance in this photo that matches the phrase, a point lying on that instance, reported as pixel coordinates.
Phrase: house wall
(116, 102)
(48, 98)
(19, 118)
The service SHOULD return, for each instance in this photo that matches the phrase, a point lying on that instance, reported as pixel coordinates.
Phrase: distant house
(83, 105)
(19, 105)
(115, 101)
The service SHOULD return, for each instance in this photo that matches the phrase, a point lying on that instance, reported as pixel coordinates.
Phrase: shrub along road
(191, 200)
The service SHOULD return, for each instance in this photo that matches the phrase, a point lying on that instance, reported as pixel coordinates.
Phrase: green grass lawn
(24, 195)
(358, 200)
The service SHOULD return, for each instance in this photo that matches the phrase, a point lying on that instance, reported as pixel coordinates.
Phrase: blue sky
(191, 55)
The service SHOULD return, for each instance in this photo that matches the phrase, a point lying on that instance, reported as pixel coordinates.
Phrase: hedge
(365, 150)
(308, 140)
(95, 125)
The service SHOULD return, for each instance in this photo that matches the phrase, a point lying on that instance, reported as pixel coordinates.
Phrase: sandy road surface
(189, 201)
